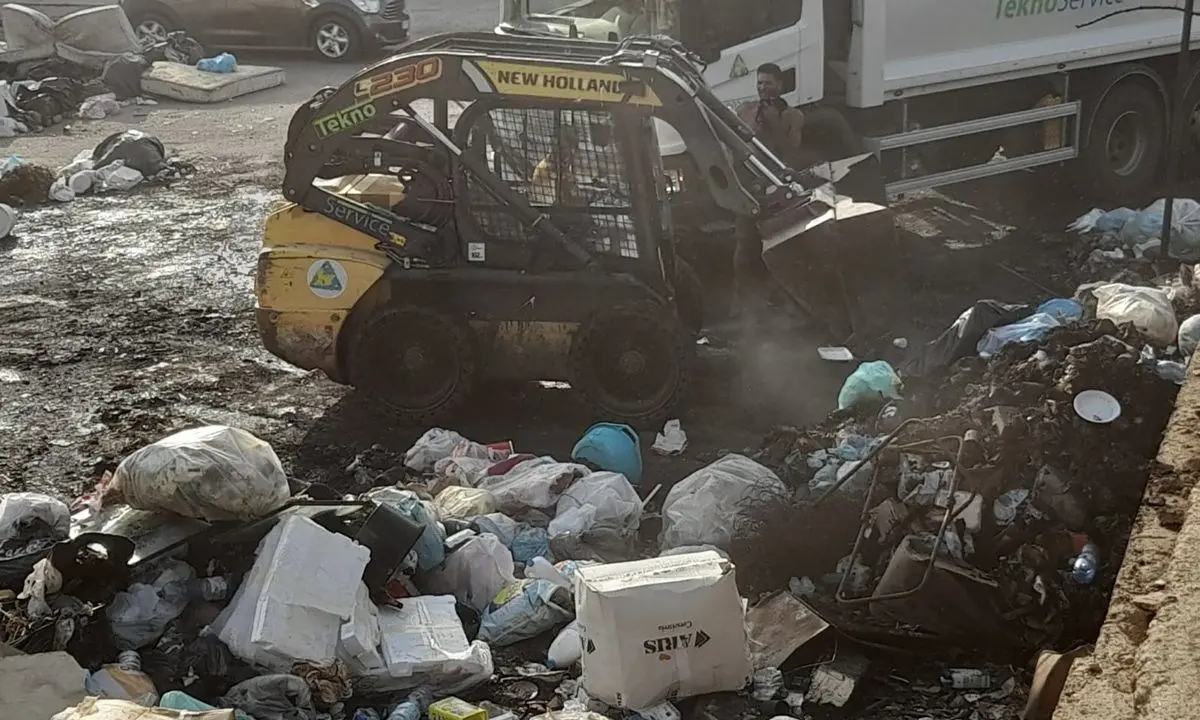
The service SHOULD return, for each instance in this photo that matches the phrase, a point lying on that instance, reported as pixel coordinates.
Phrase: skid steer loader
(530, 236)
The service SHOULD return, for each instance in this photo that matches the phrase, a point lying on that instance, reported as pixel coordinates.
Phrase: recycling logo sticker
(739, 68)
(327, 278)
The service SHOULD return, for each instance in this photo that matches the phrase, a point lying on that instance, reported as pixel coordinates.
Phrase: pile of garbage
(485, 583)
(88, 64)
(120, 162)
(1125, 235)
(984, 499)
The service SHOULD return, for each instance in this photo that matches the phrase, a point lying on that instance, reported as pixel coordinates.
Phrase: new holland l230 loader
(530, 238)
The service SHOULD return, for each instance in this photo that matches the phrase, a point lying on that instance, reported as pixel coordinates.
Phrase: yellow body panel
(311, 273)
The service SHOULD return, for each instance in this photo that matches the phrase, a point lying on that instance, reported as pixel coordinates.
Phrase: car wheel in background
(151, 28)
(335, 39)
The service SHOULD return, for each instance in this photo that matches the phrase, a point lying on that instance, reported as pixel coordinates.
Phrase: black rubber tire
(689, 296)
(375, 362)
(164, 20)
(1125, 185)
(355, 49)
(1188, 167)
(655, 331)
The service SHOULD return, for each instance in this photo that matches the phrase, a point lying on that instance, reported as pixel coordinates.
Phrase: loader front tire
(419, 362)
(633, 363)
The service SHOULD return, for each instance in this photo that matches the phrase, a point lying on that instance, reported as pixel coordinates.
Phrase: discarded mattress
(184, 82)
(89, 37)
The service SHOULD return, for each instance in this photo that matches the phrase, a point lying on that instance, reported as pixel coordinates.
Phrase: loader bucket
(837, 255)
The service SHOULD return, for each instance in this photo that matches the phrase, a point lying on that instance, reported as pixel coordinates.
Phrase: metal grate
(392, 10)
(567, 164)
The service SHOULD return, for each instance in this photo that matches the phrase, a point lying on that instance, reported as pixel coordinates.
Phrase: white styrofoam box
(292, 604)
(359, 647)
(423, 635)
(661, 629)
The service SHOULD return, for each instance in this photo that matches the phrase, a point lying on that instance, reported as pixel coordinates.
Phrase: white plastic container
(567, 648)
(81, 182)
(8, 220)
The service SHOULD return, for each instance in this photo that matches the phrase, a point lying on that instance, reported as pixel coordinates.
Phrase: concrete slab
(39, 686)
(177, 81)
(1146, 665)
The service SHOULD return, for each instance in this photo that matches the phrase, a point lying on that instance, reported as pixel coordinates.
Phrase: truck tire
(1123, 155)
(1191, 130)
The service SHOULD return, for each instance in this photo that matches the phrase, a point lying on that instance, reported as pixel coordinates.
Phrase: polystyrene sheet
(293, 602)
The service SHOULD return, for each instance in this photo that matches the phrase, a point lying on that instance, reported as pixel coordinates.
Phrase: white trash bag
(602, 500)
(213, 473)
(474, 573)
(1189, 337)
(535, 483)
(704, 507)
(19, 509)
(1148, 309)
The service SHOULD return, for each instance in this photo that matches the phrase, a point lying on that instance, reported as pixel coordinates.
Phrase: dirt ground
(129, 316)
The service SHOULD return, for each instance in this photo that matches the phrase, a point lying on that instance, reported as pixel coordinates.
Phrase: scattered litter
(223, 63)
(1097, 406)
(672, 440)
(611, 447)
(835, 354)
(871, 382)
(834, 682)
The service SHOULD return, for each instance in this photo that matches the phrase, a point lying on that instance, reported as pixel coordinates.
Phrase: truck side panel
(935, 45)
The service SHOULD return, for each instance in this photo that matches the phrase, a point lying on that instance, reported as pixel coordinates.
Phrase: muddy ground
(130, 316)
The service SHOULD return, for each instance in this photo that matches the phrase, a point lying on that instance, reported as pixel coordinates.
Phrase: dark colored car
(336, 29)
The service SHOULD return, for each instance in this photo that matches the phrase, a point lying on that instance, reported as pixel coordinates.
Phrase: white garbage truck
(946, 91)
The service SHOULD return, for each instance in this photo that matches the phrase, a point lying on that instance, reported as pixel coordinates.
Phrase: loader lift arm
(646, 75)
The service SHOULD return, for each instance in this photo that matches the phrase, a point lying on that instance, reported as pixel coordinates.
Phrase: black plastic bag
(960, 339)
(142, 152)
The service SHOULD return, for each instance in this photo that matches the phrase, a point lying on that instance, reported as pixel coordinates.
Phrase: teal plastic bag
(872, 381)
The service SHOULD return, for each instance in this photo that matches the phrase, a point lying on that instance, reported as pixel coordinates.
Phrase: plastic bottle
(123, 680)
(567, 648)
(1086, 564)
(414, 707)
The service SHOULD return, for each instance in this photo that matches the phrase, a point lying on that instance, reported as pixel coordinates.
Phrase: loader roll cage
(646, 75)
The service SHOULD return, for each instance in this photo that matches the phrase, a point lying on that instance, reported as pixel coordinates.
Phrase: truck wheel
(1191, 146)
(1124, 151)
(632, 363)
(419, 362)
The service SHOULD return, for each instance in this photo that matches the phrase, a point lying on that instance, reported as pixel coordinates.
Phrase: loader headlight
(369, 7)
(674, 181)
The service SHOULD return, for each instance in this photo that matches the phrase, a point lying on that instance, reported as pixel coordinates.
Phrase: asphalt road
(243, 136)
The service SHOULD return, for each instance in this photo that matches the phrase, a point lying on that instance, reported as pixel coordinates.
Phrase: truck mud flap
(838, 256)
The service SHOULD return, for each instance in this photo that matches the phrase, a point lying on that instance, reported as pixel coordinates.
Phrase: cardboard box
(661, 629)
(375, 189)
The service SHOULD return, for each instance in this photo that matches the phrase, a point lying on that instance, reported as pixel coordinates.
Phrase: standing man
(779, 127)
(777, 124)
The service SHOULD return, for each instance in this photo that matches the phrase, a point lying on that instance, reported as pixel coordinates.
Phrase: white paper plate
(1097, 406)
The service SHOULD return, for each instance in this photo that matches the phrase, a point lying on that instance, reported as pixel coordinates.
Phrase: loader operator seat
(630, 18)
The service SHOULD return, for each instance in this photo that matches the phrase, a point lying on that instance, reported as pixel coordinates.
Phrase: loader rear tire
(418, 362)
(633, 363)
(1125, 145)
